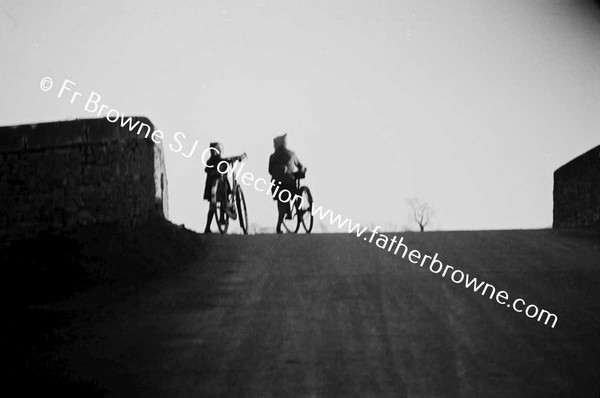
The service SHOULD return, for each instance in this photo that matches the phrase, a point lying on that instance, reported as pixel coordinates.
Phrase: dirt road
(334, 316)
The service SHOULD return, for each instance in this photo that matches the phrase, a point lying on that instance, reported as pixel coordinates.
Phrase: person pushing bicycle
(212, 173)
(283, 164)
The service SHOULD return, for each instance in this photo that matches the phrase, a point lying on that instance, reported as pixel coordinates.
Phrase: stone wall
(57, 175)
(577, 192)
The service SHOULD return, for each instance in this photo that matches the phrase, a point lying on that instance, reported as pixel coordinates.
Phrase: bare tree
(422, 213)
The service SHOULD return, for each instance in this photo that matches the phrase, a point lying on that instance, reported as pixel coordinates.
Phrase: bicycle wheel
(218, 200)
(291, 225)
(240, 202)
(305, 210)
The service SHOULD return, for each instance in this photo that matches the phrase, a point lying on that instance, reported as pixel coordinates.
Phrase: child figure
(213, 173)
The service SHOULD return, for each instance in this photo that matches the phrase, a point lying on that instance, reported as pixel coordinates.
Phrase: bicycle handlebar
(300, 174)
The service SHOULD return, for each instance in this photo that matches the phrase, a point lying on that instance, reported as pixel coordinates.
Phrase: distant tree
(421, 212)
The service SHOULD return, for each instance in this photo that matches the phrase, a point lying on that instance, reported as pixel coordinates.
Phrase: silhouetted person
(283, 163)
(213, 173)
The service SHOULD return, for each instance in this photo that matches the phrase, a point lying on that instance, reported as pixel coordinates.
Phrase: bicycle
(220, 198)
(301, 210)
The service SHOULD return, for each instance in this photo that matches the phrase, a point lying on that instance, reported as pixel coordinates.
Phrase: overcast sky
(469, 105)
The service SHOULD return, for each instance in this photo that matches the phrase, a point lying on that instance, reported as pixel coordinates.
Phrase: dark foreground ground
(320, 316)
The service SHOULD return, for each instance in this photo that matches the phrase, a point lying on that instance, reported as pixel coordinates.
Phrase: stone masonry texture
(61, 174)
(577, 192)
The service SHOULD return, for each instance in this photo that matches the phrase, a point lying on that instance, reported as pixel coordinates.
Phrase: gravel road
(334, 316)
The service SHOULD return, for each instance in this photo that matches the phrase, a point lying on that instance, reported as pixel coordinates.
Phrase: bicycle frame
(299, 209)
(227, 197)
(234, 184)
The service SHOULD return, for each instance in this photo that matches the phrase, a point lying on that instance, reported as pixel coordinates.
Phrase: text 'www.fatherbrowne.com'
(94, 105)
(397, 246)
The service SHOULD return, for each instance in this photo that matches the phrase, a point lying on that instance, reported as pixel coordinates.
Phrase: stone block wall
(577, 192)
(58, 175)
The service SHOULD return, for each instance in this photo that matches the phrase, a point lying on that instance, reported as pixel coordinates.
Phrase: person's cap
(280, 141)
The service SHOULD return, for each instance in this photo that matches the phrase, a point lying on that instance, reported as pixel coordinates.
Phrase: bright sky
(469, 105)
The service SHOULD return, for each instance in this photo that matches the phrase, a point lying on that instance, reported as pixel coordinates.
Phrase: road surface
(334, 316)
